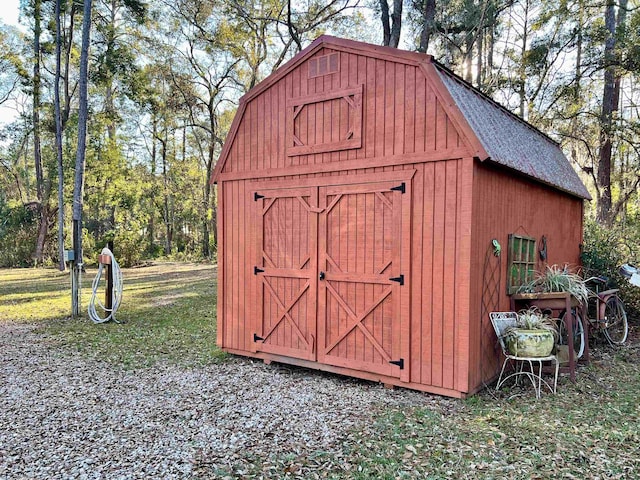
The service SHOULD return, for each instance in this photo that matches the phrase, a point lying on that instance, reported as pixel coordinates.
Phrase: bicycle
(605, 313)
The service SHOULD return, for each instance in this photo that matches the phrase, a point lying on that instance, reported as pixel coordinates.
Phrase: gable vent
(324, 65)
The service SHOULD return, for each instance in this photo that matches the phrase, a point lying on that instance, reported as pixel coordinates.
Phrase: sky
(9, 11)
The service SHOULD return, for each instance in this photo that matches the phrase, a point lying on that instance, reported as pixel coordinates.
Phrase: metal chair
(503, 320)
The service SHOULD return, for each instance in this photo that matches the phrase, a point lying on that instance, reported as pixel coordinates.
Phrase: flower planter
(530, 343)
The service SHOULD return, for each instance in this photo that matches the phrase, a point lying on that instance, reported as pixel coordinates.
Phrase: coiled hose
(116, 295)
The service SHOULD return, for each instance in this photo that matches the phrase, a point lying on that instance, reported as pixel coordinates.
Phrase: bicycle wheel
(616, 328)
(578, 334)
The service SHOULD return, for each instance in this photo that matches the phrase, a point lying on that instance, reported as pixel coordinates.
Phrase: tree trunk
(578, 84)
(206, 253)
(37, 150)
(78, 184)
(386, 23)
(67, 65)
(108, 98)
(468, 57)
(58, 122)
(396, 23)
(154, 154)
(166, 212)
(480, 45)
(214, 218)
(606, 119)
(391, 25)
(522, 80)
(428, 24)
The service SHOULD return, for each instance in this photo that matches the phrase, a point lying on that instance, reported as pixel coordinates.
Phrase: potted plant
(558, 279)
(534, 334)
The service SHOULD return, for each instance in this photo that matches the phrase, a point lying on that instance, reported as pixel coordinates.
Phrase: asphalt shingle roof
(512, 142)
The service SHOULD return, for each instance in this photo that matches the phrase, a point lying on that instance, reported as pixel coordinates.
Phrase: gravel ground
(64, 416)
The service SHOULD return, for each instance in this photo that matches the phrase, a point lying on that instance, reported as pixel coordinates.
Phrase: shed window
(521, 262)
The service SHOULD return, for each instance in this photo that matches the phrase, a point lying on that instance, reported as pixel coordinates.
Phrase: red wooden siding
(440, 259)
(401, 114)
(362, 238)
(504, 203)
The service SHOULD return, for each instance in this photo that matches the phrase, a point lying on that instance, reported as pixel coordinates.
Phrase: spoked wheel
(578, 334)
(616, 327)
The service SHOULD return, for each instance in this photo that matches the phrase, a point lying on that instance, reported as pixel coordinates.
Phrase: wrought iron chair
(503, 320)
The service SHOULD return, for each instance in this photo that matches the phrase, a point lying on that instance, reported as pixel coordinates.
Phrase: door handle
(321, 276)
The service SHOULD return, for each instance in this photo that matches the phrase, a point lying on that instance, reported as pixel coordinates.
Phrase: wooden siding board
(409, 121)
(370, 108)
(438, 286)
(221, 319)
(380, 110)
(450, 291)
(417, 258)
(421, 101)
(233, 292)
(399, 109)
(241, 312)
(388, 133)
(427, 273)
(463, 274)
(406, 228)
(430, 126)
(358, 76)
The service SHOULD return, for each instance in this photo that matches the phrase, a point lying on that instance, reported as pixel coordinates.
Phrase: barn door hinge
(256, 338)
(399, 363)
(257, 196)
(402, 188)
(257, 270)
(399, 279)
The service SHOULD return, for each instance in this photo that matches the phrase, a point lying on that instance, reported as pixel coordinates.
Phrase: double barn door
(332, 265)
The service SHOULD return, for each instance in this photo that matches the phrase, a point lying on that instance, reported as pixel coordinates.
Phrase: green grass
(590, 429)
(167, 313)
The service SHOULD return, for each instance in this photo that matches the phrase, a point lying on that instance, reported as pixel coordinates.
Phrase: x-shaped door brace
(358, 319)
(285, 311)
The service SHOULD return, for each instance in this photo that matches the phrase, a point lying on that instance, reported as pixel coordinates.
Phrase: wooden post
(108, 294)
(76, 270)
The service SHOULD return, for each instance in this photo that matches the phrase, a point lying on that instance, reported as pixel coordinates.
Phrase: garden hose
(116, 294)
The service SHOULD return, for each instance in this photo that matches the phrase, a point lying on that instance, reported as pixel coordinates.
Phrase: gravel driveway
(63, 416)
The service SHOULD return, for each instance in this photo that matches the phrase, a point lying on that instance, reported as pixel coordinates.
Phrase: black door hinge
(257, 196)
(257, 270)
(399, 363)
(399, 279)
(402, 188)
(257, 338)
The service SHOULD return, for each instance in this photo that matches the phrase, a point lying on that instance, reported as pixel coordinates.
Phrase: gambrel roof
(492, 133)
(510, 141)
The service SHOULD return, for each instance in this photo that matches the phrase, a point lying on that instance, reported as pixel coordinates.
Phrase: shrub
(18, 231)
(605, 249)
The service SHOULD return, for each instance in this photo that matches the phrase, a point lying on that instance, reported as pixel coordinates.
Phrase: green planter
(530, 343)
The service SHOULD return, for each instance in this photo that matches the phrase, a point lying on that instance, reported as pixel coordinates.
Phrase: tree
(391, 24)
(78, 185)
(610, 102)
(58, 126)
(427, 9)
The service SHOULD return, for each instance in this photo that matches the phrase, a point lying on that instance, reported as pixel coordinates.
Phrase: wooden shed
(360, 190)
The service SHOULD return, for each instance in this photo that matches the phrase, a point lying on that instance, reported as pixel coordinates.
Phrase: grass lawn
(590, 429)
(168, 313)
